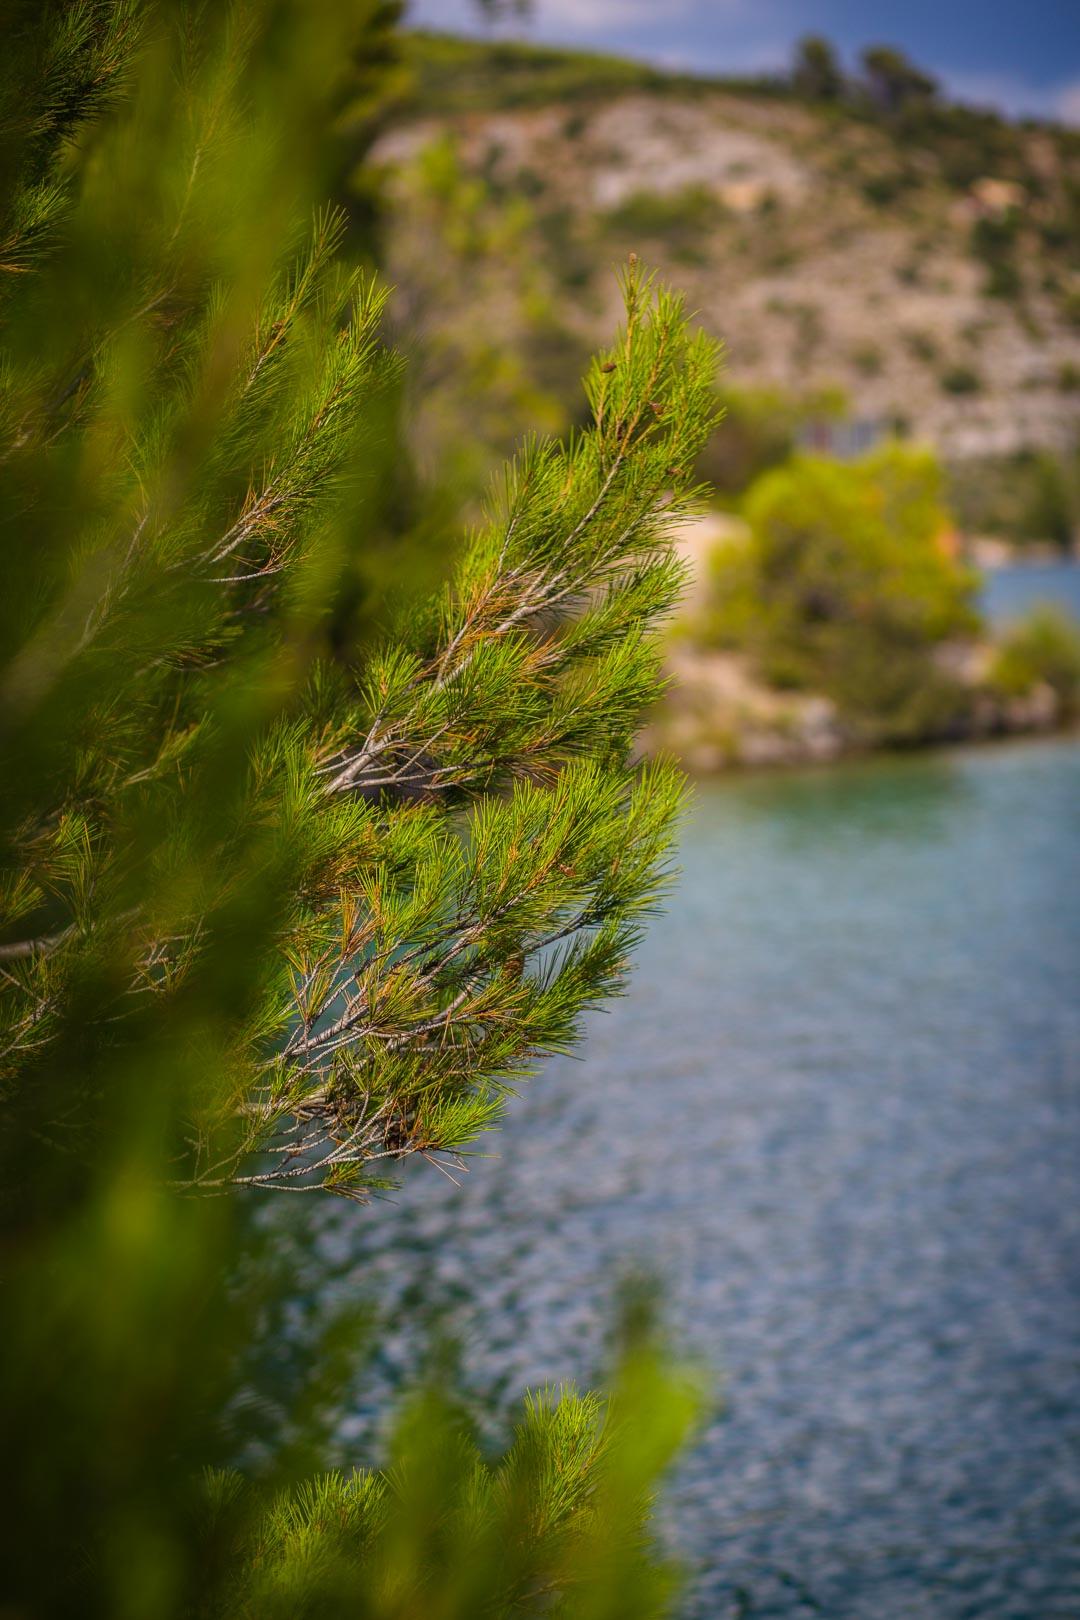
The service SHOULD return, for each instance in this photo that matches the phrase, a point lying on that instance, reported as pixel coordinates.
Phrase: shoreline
(718, 715)
(943, 748)
(718, 719)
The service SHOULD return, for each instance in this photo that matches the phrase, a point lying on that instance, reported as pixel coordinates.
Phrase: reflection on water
(840, 1117)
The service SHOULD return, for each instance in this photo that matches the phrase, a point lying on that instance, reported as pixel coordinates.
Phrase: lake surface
(839, 1116)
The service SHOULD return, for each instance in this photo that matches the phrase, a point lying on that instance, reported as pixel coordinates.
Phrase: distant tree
(498, 10)
(816, 73)
(845, 588)
(893, 82)
(1042, 648)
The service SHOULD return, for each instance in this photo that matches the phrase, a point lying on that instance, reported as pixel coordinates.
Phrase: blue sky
(1020, 55)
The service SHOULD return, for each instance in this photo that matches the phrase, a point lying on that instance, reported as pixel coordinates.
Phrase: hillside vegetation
(874, 254)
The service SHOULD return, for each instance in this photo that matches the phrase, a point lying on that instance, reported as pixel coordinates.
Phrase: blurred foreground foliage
(304, 860)
(554, 1526)
(845, 586)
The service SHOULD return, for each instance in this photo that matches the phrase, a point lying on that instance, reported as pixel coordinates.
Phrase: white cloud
(573, 16)
(589, 14)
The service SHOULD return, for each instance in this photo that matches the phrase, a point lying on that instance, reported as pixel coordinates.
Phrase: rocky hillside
(918, 275)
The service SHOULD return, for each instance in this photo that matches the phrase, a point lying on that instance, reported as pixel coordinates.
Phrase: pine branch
(455, 850)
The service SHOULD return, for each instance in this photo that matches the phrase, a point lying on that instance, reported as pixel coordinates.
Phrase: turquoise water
(839, 1117)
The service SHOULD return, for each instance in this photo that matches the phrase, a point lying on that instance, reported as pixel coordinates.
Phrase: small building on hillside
(842, 438)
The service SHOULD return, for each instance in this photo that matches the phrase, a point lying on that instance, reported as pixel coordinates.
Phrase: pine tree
(816, 73)
(458, 851)
(894, 83)
(284, 904)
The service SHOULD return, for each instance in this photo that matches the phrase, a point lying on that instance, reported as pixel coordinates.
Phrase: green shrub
(1003, 280)
(844, 588)
(883, 189)
(868, 359)
(921, 345)
(961, 380)
(1042, 649)
(680, 220)
(994, 242)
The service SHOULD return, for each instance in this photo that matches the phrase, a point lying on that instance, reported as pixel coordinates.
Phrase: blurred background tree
(496, 10)
(816, 73)
(286, 899)
(893, 81)
(1041, 648)
(846, 586)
